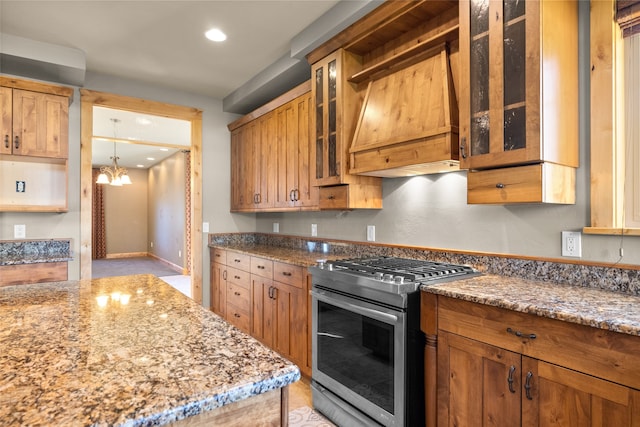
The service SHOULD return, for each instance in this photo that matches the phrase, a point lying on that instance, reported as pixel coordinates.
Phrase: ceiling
(163, 43)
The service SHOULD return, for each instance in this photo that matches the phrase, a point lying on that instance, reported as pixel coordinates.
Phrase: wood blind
(628, 16)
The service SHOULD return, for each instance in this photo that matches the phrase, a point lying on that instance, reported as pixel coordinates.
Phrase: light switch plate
(314, 230)
(276, 227)
(371, 233)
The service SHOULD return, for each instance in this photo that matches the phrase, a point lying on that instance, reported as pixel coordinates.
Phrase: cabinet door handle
(520, 334)
(292, 196)
(463, 147)
(274, 293)
(296, 195)
(500, 185)
(6, 141)
(527, 385)
(270, 292)
(224, 275)
(16, 142)
(512, 369)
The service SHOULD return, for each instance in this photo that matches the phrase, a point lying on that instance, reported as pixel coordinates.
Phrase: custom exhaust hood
(408, 123)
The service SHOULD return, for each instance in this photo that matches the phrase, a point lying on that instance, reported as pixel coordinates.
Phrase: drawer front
(262, 267)
(598, 352)
(522, 184)
(219, 255)
(288, 273)
(238, 317)
(334, 197)
(239, 296)
(239, 277)
(239, 260)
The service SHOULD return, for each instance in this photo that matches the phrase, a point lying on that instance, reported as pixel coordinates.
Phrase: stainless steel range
(367, 345)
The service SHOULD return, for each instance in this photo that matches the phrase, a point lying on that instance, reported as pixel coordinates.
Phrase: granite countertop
(602, 309)
(17, 252)
(79, 353)
(282, 254)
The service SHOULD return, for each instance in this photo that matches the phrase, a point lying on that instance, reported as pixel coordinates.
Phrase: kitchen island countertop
(127, 350)
(598, 308)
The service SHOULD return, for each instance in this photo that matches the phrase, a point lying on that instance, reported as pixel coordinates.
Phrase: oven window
(357, 351)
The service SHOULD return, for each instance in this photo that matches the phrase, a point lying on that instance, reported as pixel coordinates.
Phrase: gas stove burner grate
(410, 269)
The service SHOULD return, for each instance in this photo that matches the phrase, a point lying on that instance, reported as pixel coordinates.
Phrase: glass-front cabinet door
(499, 106)
(518, 82)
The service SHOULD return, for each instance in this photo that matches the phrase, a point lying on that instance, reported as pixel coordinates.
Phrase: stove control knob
(387, 278)
(321, 264)
(378, 276)
(328, 266)
(398, 280)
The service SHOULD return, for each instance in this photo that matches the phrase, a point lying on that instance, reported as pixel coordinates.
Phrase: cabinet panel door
(41, 124)
(218, 288)
(267, 172)
(287, 156)
(263, 309)
(479, 384)
(563, 397)
(306, 194)
(290, 322)
(6, 103)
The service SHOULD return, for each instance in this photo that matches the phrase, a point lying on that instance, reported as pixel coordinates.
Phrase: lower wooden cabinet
(33, 273)
(486, 375)
(266, 299)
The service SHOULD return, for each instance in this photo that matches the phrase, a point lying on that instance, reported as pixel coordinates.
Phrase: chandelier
(114, 174)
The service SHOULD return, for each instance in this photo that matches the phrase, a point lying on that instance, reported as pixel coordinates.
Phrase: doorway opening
(91, 99)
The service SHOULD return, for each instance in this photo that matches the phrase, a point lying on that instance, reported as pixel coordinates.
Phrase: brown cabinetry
(34, 146)
(504, 368)
(519, 99)
(270, 156)
(335, 106)
(265, 298)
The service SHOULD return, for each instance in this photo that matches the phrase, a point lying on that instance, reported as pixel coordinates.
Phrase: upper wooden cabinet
(271, 154)
(519, 98)
(34, 146)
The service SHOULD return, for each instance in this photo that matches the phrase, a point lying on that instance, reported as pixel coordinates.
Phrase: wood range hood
(408, 123)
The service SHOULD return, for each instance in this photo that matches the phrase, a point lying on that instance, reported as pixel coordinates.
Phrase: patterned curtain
(628, 16)
(187, 214)
(99, 241)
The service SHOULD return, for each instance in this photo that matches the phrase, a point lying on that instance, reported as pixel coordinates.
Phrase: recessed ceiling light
(215, 35)
(164, 149)
(140, 166)
(143, 121)
(150, 158)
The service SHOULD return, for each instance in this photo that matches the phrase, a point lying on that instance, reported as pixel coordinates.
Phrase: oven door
(359, 354)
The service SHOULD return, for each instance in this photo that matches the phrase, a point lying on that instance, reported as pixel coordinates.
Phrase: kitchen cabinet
(238, 291)
(518, 100)
(280, 309)
(505, 368)
(34, 146)
(335, 107)
(33, 273)
(295, 188)
(270, 156)
(218, 279)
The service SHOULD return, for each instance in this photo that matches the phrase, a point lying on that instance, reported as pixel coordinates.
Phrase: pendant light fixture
(114, 174)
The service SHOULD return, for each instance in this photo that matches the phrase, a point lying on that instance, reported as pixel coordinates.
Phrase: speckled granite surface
(14, 252)
(614, 311)
(74, 355)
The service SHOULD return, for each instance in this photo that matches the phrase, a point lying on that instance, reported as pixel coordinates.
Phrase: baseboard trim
(171, 265)
(127, 255)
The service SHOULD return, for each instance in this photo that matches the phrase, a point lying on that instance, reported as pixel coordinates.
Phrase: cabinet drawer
(239, 277)
(219, 255)
(239, 296)
(238, 260)
(238, 317)
(262, 267)
(288, 273)
(33, 273)
(336, 196)
(539, 183)
(598, 352)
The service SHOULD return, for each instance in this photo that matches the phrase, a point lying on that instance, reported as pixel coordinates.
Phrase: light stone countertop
(598, 308)
(74, 354)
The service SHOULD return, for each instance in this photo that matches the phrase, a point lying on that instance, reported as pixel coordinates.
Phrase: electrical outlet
(314, 230)
(151, 244)
(19, 231)
(205, 227)
(572, 244)
(179, 254)
(276, 227)
(371, 233)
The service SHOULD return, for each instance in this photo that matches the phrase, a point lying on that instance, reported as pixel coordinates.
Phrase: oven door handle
(368, 312)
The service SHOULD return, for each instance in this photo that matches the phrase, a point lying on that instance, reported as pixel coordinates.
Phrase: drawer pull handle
(236, 315)
(16, 142)
(499, 185)
(463, 148)
(236, 260)
(520, 334)
(286, 273)
(236, 277)
(331, 197)
(527, 385)
(6, 141)
(261, 267)
(237, 294)
(512, 369)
